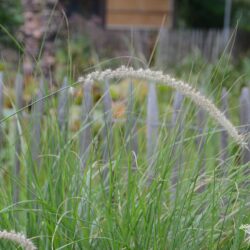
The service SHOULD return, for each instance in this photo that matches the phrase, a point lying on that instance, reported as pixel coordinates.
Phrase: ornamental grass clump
(160, 78)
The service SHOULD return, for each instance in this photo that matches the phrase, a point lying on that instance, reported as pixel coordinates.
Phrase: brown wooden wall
(138, 13)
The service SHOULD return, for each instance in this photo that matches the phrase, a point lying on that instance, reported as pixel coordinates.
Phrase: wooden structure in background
(138, 13)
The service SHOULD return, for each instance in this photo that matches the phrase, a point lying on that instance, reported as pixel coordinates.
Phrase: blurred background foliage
(200, 14)
(190, 13)
(207, 14)
(11, 18)
(241, 14)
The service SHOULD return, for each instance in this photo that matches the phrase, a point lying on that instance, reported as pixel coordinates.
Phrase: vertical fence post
(224, 135)
(179, 42)
(192, 39)
(165, 53)
(86, 131)
(217, 48)
(19, 104)
(168, 44)
(108, 130)
(63, 107)
(201, 122)
(1, 109)
(131, 126)
(208, 45)
(245, 120)
(178, 99)
(37, 113)
(152, 129)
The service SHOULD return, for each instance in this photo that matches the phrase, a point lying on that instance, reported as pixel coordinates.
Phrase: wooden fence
(174, 45)
(132, 125)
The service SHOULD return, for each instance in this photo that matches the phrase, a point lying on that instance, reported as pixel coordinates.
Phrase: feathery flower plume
(18, 238)
(184, 88)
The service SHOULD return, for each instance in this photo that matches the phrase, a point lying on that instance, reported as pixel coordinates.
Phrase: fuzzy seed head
(18, 238)
(159, 78)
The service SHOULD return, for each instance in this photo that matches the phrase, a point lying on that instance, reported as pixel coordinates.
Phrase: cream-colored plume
(18, 238)
(160, 78)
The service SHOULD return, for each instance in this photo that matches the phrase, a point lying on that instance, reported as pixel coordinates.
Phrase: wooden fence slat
(245, 120)
(216, 50)
(1, 109)
(37, 113)
(152, 127)
(210, 43)
(19, 104)
(162, 50)
(107, 133)
(224, 134)
(86, 132)
(131, 126)
(63, 106)
(107, 130)
(178, 100)
(108, 123)
(192, 39)
(200, 142)
(179, 42)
